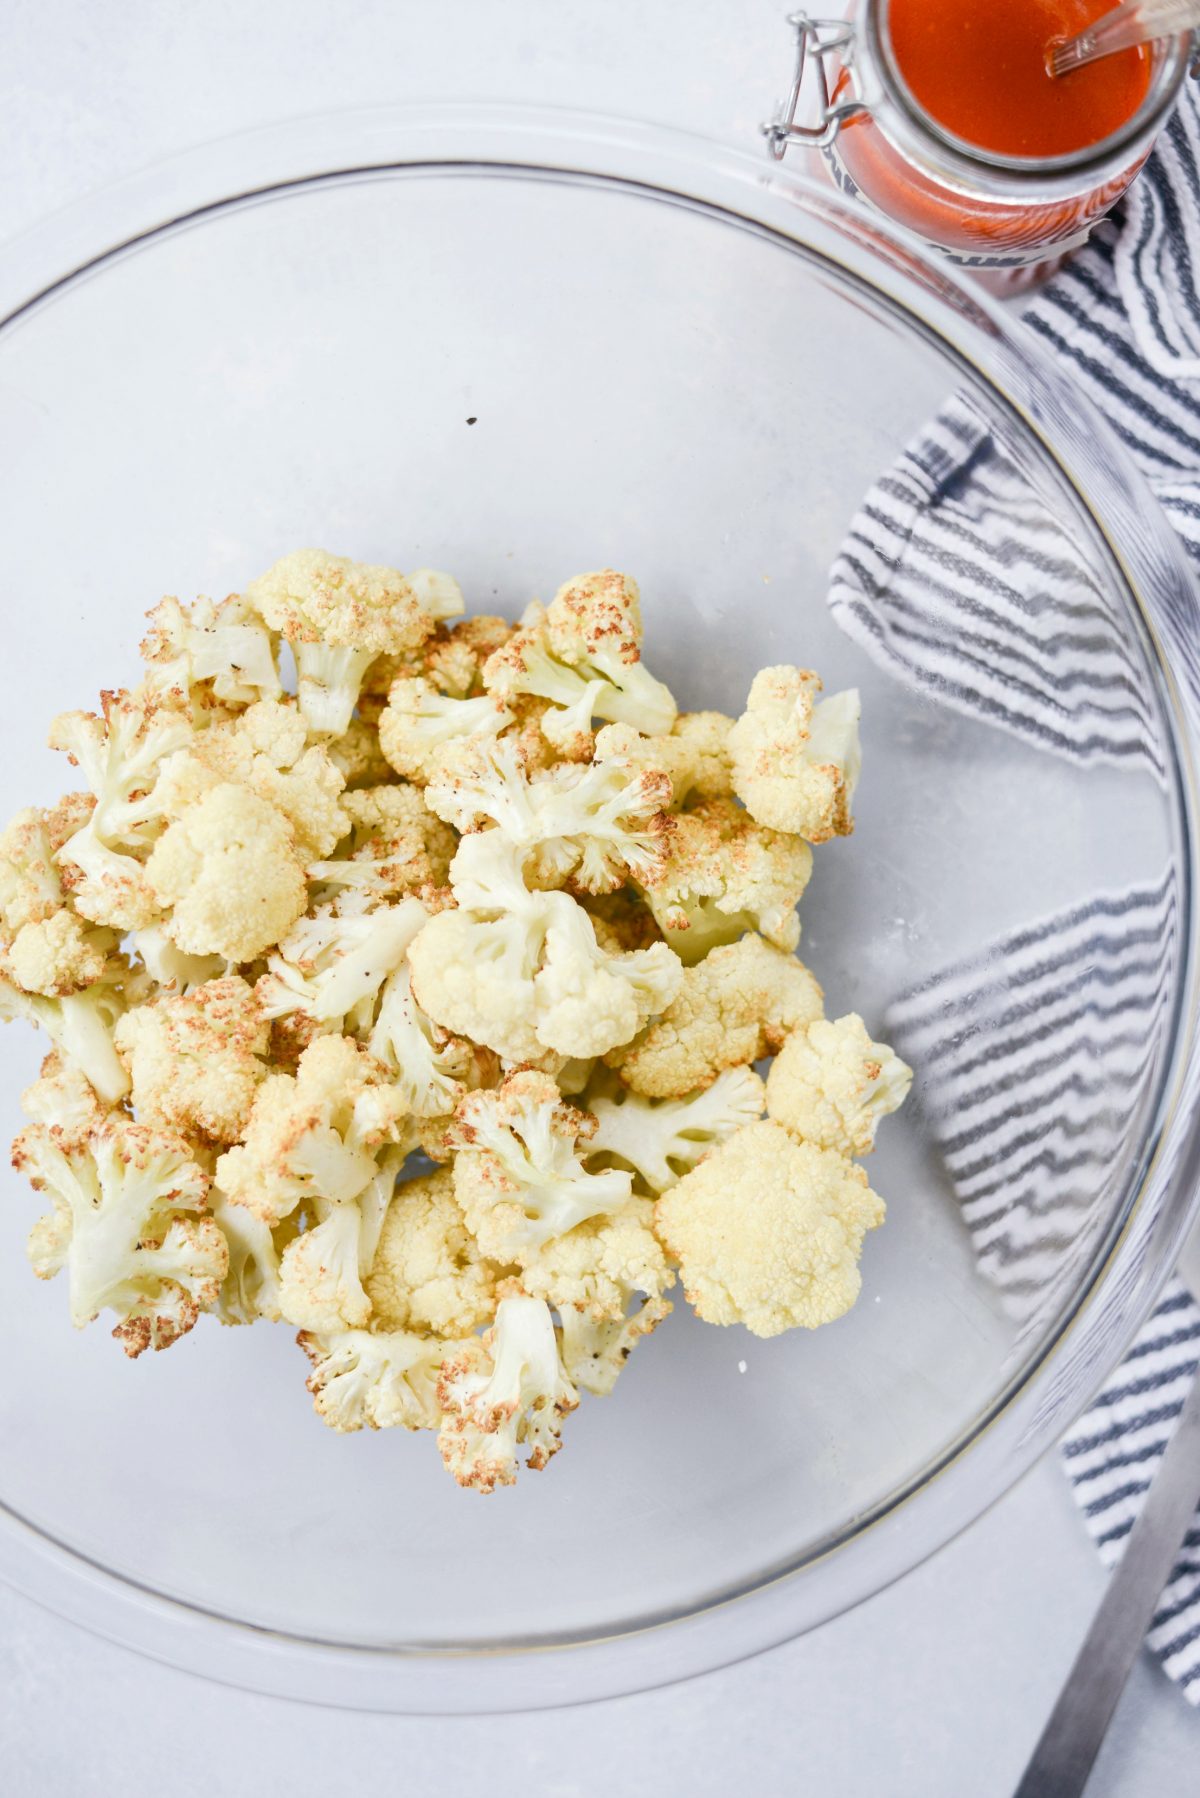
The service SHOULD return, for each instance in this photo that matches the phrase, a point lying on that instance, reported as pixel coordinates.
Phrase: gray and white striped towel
(953, 578)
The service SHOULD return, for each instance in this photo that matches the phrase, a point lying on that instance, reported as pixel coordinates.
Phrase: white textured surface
(933, 1690)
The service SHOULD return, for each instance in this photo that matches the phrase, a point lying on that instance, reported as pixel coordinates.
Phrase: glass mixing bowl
(514, 346)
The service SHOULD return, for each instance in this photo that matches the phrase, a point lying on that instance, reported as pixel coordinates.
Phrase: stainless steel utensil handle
(1070, 1742)
(1135, 22)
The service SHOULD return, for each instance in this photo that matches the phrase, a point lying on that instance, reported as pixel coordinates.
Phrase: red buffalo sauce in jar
(978, 67)
(943, 115)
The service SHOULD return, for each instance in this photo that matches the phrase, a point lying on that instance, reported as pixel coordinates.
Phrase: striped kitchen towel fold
(959, 579)
(1036, 1059)
(954, 582)
(1113, 1452)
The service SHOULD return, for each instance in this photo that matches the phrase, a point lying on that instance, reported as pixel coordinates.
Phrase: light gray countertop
(936, 1688)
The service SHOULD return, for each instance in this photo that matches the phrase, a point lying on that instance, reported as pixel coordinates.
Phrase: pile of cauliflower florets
(420, 1010)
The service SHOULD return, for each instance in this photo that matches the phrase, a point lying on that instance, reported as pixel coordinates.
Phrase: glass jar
(850, 100)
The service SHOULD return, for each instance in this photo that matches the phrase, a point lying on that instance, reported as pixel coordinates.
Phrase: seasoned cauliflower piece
(332, 966)
(767, 1232)
(693, 753)
(120, 754)
(323, 1268)
(602, 1265)
(265, 748)
(724, 875)
(30, 889)
(522, 972)
(314, 1135)
(735, 1006)
(129, 1225)
(229, 871)
(583, 653)
(508, 1388)
(418, 722)
(339, 615)
(588, 1000)
(595, 1349)
(796, 764)
(517, 1171)
(395, 846)
(595, 824)
(660, 1139)
(166, 964)
(196, 1059)
(320, 1273)
(453, 657)
(80, 1025)
(57, 955)
(119, 751)
(427, 1065)
(224, 651)
(830, 1085)
(358, 756)
(363, 1379)
(250, 1289)
(64, 1099)
(428, 1273)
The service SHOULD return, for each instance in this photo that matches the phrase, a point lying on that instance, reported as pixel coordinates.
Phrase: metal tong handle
(1070, 1742)
(1134, 22)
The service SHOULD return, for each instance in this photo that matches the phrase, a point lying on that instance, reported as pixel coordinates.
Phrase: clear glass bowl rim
(683, 169)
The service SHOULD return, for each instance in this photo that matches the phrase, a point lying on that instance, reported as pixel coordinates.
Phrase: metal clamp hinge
(816, 39)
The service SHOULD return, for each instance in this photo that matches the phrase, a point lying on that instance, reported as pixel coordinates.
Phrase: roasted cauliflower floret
(30, 889)
(266, 749)
(428, 1066)
(796, 763)
(453, 657)
(518, 1172)
(737, 1005)
(508, 1388)
(660, 1139)
(229, 871)
(64, 1099)
(313, 1136)
(419, 721)
(724, 875)
(250, 1289)
(767, 1232)
(595, 824)
(321, 1272)
(606, 1279)
(364, 1379)
(396, 845)
(522, 972)
(331, 966)
(339, 615)
(583, 653)
(58, 955)
(830, 1085)
(128, 1224)
(80, 1025)
(196, 1059)
(120, 753)
(693, 754)
(428, 1273)
(219, 653)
